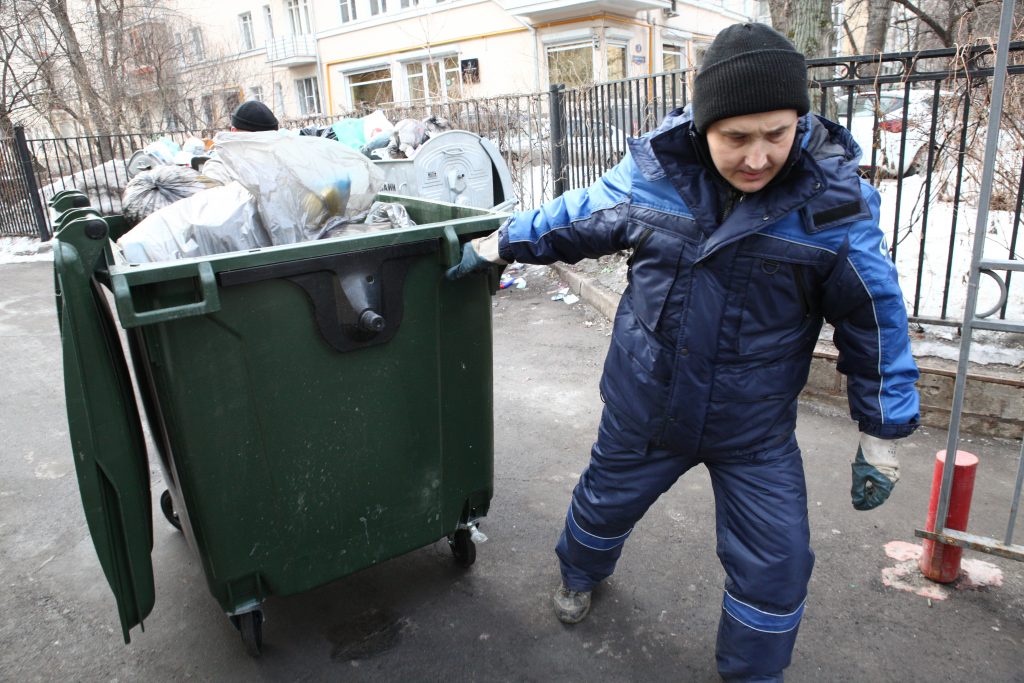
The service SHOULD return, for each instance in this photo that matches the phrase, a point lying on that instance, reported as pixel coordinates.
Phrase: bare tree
(22, 61)
(114, 66)
(879, 12)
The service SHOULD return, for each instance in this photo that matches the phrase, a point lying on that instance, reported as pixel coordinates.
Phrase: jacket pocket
(779, 309)
(653, 270)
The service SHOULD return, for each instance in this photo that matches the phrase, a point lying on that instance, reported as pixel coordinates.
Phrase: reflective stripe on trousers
(761, 522)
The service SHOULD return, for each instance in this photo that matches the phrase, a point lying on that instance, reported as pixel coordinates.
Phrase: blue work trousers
(761, 522)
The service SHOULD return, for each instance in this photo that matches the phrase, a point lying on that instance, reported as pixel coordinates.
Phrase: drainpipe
(536, 54)
(319, 65)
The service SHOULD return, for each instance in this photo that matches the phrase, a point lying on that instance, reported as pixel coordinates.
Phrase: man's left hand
(876, 470)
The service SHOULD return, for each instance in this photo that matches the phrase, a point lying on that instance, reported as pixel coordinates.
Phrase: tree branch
(934, 25)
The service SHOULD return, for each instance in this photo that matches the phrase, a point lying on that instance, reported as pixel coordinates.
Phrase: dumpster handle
(132, 318)
(453, 249)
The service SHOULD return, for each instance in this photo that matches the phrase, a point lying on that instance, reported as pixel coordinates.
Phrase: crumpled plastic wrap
(151, 190)
(299, 182)
(210, 222)
(381, 216)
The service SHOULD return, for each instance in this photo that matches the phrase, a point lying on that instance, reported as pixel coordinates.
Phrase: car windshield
(864, 104)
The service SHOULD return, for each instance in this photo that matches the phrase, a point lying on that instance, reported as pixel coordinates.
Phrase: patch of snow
(24, 249)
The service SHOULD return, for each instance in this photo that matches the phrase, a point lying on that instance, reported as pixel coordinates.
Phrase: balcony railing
(545, 9)
(292, 50)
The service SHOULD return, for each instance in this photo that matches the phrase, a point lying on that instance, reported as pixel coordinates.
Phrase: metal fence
(919, 118)
(20, 212)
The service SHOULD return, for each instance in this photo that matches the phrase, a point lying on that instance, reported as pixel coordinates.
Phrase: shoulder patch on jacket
(836, 214)
(817, 217)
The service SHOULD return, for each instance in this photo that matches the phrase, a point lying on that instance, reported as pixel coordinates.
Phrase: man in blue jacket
(749, 226)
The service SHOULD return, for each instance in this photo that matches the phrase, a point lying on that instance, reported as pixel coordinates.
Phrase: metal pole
(556, 97)
(34, 200)
(980, 231)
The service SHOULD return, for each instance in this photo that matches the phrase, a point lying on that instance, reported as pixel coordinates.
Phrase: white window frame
(349, 85)
(378, 7)
(279, 97)
(674, 48)
(307, 92)
(255, 92)
(618, 45)
(424, 76)
(570, 46)
(347, 10)
(298, 17)
(195, 41)
(245, 28)
(268, 22)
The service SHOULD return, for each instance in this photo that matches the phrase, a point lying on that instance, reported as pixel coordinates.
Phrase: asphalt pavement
(870, 616)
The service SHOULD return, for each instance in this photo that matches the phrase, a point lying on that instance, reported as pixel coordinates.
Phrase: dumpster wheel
(463, 548)
(167, 507)
(250, 625)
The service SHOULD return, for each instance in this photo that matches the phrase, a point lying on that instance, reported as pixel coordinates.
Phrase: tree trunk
(79, 70)
(879, 12)
(812, 32)
(779, 10)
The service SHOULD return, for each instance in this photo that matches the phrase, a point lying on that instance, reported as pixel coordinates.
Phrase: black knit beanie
(749, 69)
(253, 116)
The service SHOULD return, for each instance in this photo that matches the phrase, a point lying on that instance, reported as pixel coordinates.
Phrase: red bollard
(941, 562)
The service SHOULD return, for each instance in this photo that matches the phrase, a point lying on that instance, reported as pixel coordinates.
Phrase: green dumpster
(316, 408)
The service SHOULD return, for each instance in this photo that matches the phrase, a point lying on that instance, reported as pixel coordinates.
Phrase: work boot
(571, 607)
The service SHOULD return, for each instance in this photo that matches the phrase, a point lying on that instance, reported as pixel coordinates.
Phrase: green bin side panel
(106, 435)
(297, 464)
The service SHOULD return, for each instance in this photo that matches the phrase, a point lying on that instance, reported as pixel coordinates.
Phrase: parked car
(884, 111)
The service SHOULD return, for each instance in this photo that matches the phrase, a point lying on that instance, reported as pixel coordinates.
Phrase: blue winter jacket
(714, 334)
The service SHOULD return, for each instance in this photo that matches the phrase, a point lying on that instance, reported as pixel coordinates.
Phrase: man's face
(750, 150)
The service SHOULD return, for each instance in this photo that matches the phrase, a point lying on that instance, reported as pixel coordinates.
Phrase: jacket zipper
(644, 236)
(801, 287)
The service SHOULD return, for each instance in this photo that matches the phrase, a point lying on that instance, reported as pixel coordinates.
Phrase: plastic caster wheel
(167, 507)
(463, 548)
(250, 626)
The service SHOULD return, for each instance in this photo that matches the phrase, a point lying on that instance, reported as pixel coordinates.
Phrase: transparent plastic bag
(381, 216)
(213, 221)
(299, 182)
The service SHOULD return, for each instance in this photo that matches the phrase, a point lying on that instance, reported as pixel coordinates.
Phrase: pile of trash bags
(269, 188)
(247, 190)
(376, 137)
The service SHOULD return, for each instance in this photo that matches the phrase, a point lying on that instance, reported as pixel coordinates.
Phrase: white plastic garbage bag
(213, 221)
(299, 182)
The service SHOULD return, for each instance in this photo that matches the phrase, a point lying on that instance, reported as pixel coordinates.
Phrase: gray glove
(478, 254)
(876, 470)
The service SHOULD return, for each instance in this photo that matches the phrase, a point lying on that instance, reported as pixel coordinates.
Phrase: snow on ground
(23, 249)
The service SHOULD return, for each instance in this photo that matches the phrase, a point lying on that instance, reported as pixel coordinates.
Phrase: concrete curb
(993, 405)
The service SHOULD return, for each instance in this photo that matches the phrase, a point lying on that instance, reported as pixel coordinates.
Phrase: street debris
(906, 576)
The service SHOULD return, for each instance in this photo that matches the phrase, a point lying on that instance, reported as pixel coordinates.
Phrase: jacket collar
(821, 176)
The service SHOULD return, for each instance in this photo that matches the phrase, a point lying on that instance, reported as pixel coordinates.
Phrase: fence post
(556, 96)
(29, 175)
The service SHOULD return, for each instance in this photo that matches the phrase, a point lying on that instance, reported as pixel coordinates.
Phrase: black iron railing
(917, 117)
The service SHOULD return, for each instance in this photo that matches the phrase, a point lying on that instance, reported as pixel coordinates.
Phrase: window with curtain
(298, 17)
(348, 10)
(268, 22)
(308, 93)
(245, 27)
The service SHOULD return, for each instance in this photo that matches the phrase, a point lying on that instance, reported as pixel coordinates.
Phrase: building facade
(332, 57)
